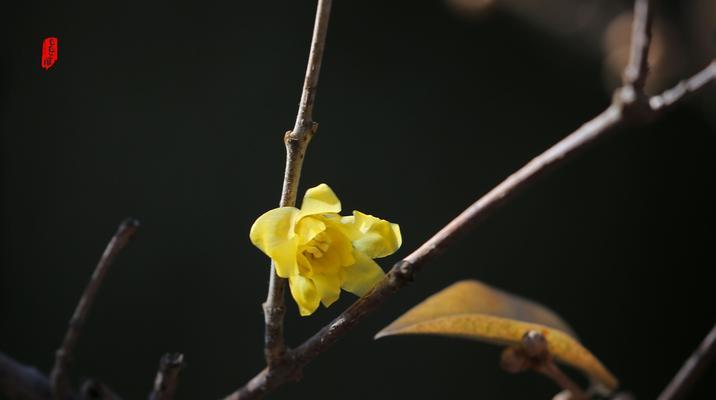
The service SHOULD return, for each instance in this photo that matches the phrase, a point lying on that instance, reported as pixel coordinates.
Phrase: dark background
(174, 113)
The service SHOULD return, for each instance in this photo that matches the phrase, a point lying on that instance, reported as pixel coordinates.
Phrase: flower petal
(373, 236)
(273, 233)
(304, 292)
(307, 229)
(320, 200)
(328, 287)
(360, 277)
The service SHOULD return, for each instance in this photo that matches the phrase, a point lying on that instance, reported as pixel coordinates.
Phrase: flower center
(317, 246)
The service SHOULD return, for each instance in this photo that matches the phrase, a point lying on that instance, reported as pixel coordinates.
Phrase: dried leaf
(473, 310)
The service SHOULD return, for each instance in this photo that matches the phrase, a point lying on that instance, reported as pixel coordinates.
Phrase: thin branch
(296, 142)
(304, 118)
(616, 116)
(59, 379)
(552, 371)
(684, 88)
(638, 66)
(692, 369)
(167, 379)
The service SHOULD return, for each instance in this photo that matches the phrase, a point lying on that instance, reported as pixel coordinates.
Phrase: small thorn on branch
(167, 379)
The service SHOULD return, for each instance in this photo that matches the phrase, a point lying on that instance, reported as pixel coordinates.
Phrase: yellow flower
(321, 252)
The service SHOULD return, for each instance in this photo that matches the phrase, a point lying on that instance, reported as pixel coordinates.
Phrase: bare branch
(296, 143)
(638, 66)
(59, 379)
(613, 118)
(692, 369)
(304, 118)
(165, 383)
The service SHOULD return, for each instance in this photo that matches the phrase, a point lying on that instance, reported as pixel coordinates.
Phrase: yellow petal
(373, 236)
(328, 287)
(304, 292)
(307, 229)
(273, 233)
(360, 277)
(320, 200)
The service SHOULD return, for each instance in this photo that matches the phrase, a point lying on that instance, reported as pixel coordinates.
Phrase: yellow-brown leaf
(473, 310)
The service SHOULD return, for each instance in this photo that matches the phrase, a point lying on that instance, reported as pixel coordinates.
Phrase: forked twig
(59, 379)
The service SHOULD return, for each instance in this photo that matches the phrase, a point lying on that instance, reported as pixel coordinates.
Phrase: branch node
(535, 345)
(402, 273)
(633, 103)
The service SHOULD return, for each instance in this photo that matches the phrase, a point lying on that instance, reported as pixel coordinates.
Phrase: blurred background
(174, 113)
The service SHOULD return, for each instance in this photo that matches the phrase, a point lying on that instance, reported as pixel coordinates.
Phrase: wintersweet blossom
(320, 251)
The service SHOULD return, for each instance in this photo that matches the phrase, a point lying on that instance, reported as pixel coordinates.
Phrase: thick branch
(692, 369)
(616, 116)
(20, 382)
(167, 379)
(638, 66)
(59, 379)
(296, 143)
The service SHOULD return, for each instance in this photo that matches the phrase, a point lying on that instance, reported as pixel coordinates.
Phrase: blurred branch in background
(167, 379)
(684, 35)
(19, 381)
(694, 367)
(59, 379)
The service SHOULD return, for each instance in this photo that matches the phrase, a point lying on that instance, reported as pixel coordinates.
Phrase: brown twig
(692, 369)
(59, 379)
(624, 110)
(296, 142)
(167, 379)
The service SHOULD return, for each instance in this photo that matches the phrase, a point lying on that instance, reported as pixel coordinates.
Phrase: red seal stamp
(49, 52)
